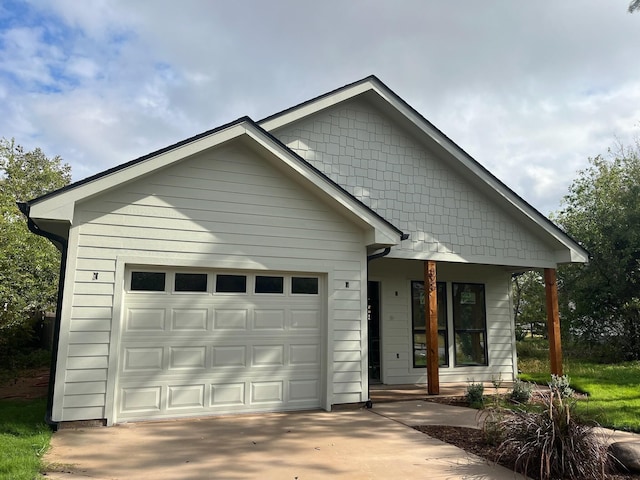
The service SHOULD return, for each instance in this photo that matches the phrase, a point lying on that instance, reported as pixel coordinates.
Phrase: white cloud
(530, 90)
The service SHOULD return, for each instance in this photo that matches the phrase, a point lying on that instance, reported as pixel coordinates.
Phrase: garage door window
(266, 284)
(148, 281)
(231, 283)
(190, 282)
(304, 285)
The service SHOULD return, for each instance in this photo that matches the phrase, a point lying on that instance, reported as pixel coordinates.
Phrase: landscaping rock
(628, 454)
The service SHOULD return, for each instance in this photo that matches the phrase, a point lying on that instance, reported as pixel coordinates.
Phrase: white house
(280, 265)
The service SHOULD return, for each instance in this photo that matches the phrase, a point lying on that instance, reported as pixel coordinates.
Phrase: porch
(380, 393)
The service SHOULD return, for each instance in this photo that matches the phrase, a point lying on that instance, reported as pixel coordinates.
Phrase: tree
(602, 212)
(529, 306)
(634, 5)
(29, 264)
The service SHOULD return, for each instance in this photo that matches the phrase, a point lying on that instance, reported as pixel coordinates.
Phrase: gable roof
(55, 210)
(382, 97)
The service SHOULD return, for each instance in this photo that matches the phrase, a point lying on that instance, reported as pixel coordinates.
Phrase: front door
(373, 314)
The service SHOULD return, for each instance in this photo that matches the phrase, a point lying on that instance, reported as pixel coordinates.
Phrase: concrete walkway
(345, 444)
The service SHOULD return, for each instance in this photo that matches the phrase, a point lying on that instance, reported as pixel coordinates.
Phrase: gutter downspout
(374, 256)
(56, 240)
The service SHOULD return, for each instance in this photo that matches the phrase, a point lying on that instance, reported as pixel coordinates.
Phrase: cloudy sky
(530, 89)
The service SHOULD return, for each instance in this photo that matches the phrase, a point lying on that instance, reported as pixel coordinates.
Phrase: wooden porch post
(431, 320)
(553, 320)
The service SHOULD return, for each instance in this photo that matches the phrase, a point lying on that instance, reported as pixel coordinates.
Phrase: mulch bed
(472, 440)
(31, 384)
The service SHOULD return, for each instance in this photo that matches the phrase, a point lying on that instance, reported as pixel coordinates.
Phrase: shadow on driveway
(347, 444)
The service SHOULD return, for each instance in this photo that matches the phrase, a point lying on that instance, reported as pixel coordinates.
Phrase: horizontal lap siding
(397, 354)
(215, 208)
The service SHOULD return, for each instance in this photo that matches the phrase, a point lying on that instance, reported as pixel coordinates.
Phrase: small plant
(552, 443)
(560, 385)
(492, 420)
(521, 392)
(475, 394)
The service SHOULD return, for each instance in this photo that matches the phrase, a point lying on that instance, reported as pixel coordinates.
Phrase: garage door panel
(267, 392)
(267, 355)
(304, 390)
(273, 319)
(145, 319)
(230, 319)
(305, 354)
(187, 358)
(305, 319)
(145, 359)
(194, 319)
(228, 394)
(141, 400)
(203, 353)
(185, 396)
(229, 356)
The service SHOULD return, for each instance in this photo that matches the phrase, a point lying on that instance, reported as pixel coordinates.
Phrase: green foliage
(529, 305)
(521, 392)
(24, 438)
(475, 394)
(552, 443)
(600, 301)
(612, 390)
(560, 386)
(29, 264)
(491, 420)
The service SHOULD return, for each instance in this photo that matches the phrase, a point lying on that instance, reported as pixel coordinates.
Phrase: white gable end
(448, 217)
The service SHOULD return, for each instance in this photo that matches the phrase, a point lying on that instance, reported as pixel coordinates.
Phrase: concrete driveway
(345, 444)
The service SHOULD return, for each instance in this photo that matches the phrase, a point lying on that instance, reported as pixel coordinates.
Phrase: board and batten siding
(225, 208)
(395, 278)
(447, 216)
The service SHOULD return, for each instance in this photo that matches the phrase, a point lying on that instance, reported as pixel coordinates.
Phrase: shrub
(521, 392)
(475, 394)
(553, 442)
(560, 385)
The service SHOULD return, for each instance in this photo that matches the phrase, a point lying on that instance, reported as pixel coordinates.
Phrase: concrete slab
(350, 444)
(416, 412)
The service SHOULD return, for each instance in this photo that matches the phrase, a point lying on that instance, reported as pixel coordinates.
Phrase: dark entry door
(373, 314)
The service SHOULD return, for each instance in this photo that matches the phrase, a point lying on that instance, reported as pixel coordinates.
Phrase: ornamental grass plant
(553, 443)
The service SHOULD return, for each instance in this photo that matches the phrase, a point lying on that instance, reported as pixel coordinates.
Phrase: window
(266, 284)
(470, 324)
(231, 283)
(148, 281)
(304, 285)
(419, 326)
(190, 282)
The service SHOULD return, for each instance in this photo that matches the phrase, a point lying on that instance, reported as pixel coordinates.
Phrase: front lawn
(613, 389)
(24, 438)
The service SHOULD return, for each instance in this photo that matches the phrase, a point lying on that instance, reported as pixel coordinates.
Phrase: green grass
(613, 389)
(24, 438)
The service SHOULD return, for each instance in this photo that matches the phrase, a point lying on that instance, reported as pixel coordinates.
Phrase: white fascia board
(383, 233)
(61, 207)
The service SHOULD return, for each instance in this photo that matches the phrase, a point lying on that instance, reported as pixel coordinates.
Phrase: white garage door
(198, 343)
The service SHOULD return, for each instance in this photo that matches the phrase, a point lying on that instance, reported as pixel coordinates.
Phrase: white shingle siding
(449, 218)
(221, 208)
